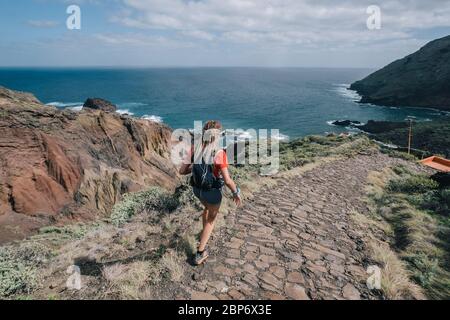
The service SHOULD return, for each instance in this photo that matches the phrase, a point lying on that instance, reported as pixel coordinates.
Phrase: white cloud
(43, 23)
(240, 33)
(295, 22)
(198, 34)
(141, 40)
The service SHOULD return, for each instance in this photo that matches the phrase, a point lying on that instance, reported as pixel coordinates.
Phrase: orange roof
(437, 163)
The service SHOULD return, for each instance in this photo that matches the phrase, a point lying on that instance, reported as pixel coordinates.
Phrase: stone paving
(294, 240)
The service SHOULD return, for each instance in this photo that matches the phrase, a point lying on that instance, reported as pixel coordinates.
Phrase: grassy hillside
(421, 79)
(413, 211)
(432, 137)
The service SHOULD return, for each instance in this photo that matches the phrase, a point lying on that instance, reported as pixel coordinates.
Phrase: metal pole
(410, 136)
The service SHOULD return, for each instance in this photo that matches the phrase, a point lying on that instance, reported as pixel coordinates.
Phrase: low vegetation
(413, 210)
(395, 281)
(153, 199)
(19, 265)
(58, 235)
(431, 136)
(128, 281)
(307, 150)
(135, 280)
(400, 154)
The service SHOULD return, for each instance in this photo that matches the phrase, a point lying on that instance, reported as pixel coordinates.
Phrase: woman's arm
(231, 185)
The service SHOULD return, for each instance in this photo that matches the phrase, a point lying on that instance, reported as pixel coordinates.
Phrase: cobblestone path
(294, 240)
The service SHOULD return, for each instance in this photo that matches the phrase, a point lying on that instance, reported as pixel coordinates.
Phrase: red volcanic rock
(58, 166)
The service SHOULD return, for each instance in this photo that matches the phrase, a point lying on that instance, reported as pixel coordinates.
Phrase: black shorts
(213, 196)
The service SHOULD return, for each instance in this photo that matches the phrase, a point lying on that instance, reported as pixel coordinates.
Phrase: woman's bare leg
(204, 217)
(205, 214)
(209, 226)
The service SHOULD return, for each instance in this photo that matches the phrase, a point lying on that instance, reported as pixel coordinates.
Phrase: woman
(210, 195)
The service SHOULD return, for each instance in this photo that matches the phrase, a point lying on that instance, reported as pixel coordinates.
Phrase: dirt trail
(294, 240)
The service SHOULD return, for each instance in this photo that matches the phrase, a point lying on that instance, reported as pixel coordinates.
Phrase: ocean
(297, 101)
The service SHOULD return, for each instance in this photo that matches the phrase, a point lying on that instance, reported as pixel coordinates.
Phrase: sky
(190, 33)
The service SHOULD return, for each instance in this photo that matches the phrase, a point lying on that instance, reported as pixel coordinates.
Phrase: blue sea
(297, 101)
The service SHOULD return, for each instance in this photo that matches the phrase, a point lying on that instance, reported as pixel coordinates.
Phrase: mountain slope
(421, 79)
(59, 166)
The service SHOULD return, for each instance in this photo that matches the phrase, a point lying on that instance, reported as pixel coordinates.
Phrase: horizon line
(182, 67)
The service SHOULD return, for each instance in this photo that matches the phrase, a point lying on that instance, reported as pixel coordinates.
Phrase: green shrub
(444, 194)
(424, 269)
(241, 174)
(154, 199)
(435, 200)
(398, 154)
(303, 151)
(15, 277)
(19, 267)
(290, 160)
(401, 170)
(319, 140)
(412, 184)
(186, 197)
(24, 298)
(70, 231)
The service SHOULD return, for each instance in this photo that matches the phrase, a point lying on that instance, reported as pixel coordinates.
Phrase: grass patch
(185, 197)
(398, 154)
(19, 268)
(130, 281)
(73, 232)
(410, 184)
(154, 199)
(173, 264)
(304, 151)
(395, 280)
(415, 207)
(134, 281)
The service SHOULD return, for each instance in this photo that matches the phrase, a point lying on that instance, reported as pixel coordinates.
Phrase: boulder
(99, 104)
(374, 127)
(346, 123)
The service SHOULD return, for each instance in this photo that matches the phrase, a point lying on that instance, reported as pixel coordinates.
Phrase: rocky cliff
(421, 79)
(59, 166)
